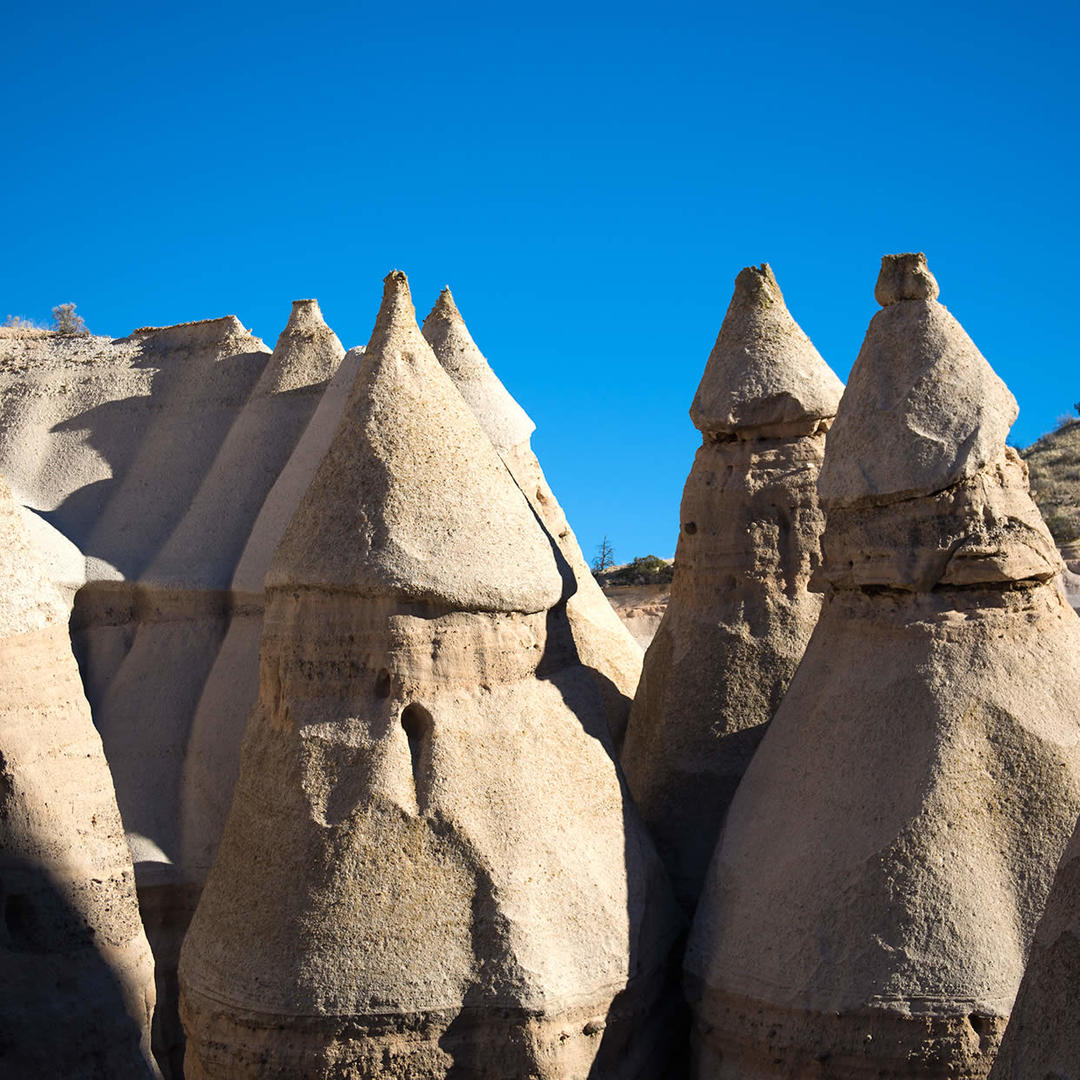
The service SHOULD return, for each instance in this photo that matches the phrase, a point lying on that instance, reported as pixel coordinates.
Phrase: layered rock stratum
(887, 856)
(740, 612)
(402, 889)
(603, 642)
(77, 992)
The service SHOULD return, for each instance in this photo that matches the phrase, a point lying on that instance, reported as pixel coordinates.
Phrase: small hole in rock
(690, 528)
(382, 683)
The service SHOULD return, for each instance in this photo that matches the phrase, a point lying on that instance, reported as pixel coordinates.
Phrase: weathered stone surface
(212, 755)
(603, 643)
(77, 992)
(417, 488)
(1042, 1039)
(743, 386)
(924, 408)
(740, 612)
(888, 853)
(504, 421)
(400, 890)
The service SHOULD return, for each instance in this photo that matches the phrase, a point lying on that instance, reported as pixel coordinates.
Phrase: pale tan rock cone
(887, 855)
(740, 612)
(431, 867)
(77, 986)
(1043, 1036)
(603, 643)
(184, 607)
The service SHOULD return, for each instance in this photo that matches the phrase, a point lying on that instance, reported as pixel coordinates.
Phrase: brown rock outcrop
(740, 613)
(1043, 1037)
(77, 989)
(603, 643)
(885, 860)
(431, 867)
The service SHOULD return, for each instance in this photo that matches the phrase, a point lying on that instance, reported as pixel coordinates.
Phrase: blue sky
(587, 180)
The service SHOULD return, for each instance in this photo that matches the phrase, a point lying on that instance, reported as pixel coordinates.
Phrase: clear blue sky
(588, 180)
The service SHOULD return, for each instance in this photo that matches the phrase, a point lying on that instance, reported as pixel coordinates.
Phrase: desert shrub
(65, 321)
(17, 322)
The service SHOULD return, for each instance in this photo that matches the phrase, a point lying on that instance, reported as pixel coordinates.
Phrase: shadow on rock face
(62, 1006)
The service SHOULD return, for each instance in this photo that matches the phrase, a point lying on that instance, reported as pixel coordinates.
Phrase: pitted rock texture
(400, 890)
(603, 643)
(740, 612)
(77, 993)
(887, 856)
(924, 408)
(1042, 1039)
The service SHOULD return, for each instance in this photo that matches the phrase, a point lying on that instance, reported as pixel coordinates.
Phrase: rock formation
(77, 991)
(430, 867)
(1043, 1038)
(603, 643)
(184, 609)
(885, 860)
(740, 613)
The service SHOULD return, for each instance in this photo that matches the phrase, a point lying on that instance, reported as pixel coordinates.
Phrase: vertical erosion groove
(417, 724)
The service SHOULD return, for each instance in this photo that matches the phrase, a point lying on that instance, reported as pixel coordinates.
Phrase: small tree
(65, 321)
(17, 322)
(605, 557)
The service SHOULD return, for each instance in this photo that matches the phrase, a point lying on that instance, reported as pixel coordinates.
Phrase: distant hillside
(1054, 464)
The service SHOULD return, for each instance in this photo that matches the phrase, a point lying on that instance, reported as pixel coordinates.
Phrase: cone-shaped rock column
(430, 867)
(603, 643)
(888, 852)
(740, 613)
(1043, 1036)
(77, 986)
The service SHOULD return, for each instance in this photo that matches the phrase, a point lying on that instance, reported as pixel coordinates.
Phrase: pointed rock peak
(756, 286)
(305, 315)
(504, 421)
(923, 409)
(396, 314)
(411, 499)
(763, 370)
(905, 277)
(306, 354)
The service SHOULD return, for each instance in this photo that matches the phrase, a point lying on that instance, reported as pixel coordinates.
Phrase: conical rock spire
(504, 421)
(884, 860)
(307, 352)
(400, 890)
(401, 486)
(740, 612)
(602, 642)
(763, 370)
(924, 409)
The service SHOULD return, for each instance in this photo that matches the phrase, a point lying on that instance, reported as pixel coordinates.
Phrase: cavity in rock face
(888, 853)
(740, 612)
(77, 985)
(602, 642)
(430, 868)
(1043, 1039)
